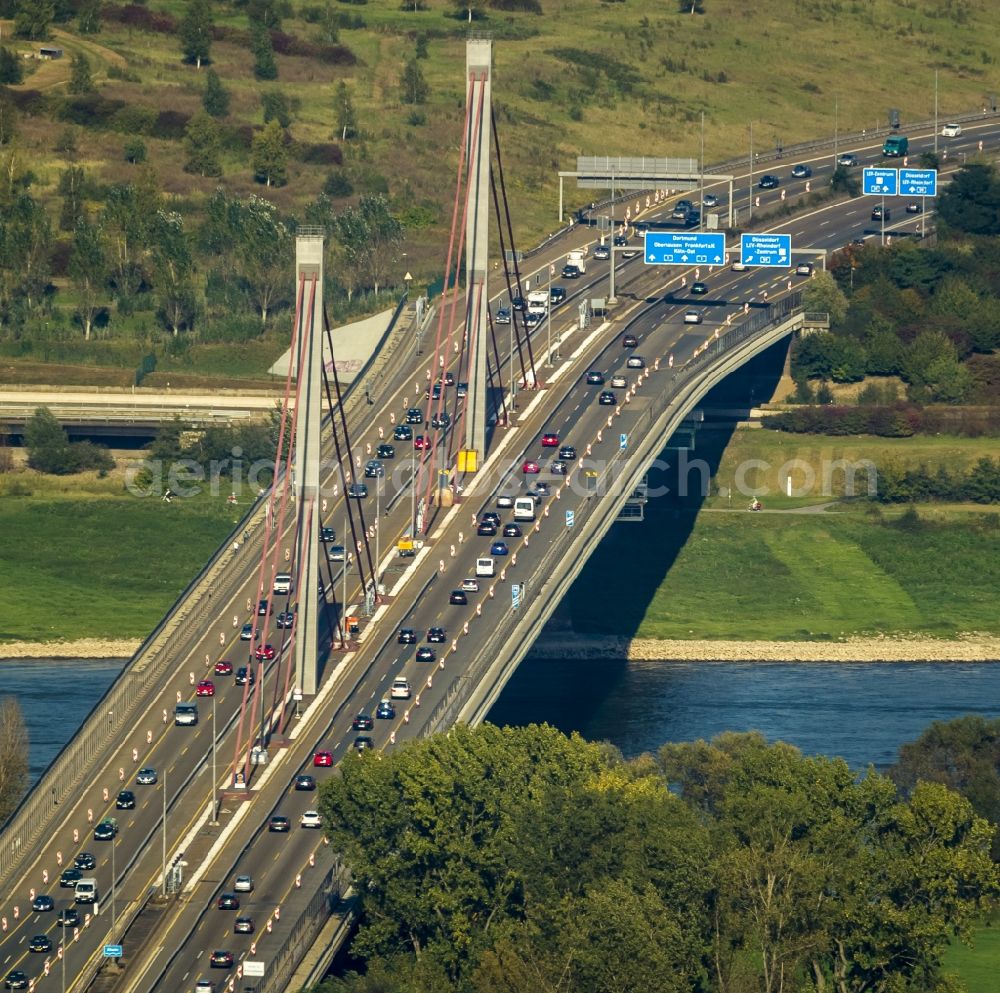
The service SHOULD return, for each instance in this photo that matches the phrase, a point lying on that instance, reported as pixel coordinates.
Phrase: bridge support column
(478, 60)
(308, 416)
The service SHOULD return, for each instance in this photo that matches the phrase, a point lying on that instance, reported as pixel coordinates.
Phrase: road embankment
(84, 648)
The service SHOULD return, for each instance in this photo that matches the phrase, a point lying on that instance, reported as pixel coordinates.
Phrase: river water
(862, 712)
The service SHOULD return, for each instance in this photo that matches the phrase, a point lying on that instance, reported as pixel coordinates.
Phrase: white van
(85, 891)
(283, 582)
(524, 509)
(485, 567)
(538, 302)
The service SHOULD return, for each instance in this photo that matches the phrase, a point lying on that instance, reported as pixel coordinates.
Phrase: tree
(201, 139)
(277, 107)
(173, 267)
(13, 756)
(270, 158)
(413, 86)
(47, 444)
(8, 118)
(25, 251)
(34, 18)
(343, 109)
(88, 16)
(971, 201)
(72, 187)
(470, 9)
(923, 352)
(134, 150)
(11, 67)
(215, 99)
(843, 182)
(195, 32)
(126, 223)
(81, 79)
(264, 65)
(823, 294)
(88, 270)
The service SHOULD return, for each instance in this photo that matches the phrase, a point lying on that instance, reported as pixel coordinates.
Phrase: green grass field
(82, 559)
(979, 966)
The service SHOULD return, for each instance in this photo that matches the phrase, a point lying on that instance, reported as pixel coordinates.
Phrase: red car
(205, 688)
(531, 467)
(420, 443)
(550, 440)
(322, 758)
(265, 653)
(223, 668)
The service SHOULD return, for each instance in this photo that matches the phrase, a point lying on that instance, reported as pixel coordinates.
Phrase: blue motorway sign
(918, 182)
(623, 441)
(112, 951)
(766, 249)
(515, 595)
(684, 248)
(880, 182)
(570, 518)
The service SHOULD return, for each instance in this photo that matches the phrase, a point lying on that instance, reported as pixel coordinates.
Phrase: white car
(738, 266)
(204, 986)
(711, 200)
(692, 317)
(311, 819)
(951, 130)
(636, 362)
(504, 501)
(400, 689)
(243, 884)
(618, 382)
(804, 269)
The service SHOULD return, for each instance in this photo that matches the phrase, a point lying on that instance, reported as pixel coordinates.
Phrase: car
(40, 943)
(620, 240)
(374, 469)
(878, 212)
(265, 653)
(630, 253)
(336, 553)
(602, 253)
(435, 393)
(204, 986)
(362, 722)
(243, 884)
(458, 598)
(304, 783)
(43, 903)
(84, 860)
(505, 501)
(486, 529)
(490, 515)
(499, 548)
(540, 489)
(804, 269)
(470, 585)
(692, 317)
(618, 382)
(635, 362)
(699, 289)
(951, 130)
(264, 608)
(357, 491)
(69, 877)
(567, 453)
(221, 959)
(607, 399)
(436, 636)
(533, 318)
(448, 379)
(801, 171)
(68, 917)
(279, 824)
(570, 272)
(327, 534)
(630, 341)
(228, 901)
(442, 420)
(420, 443)
(406, 636)
(769, 182)
(462, 390)
(530, 467)
(558, 468)
(710, 200)
(205, 687)
(426, 654)
(125, 800)
(16, 980)
(146, 776)
(363, 743)
(913, 207)
(385, 451)
(848, 160)
(247, 633)
(402, 432)
(223, 667)
(517, 303)
(322, 759)
(681, 209)
(414, 415)
(106, 830)
(502, 316)
(243, 925)
(857, 241)
(285, 619)
(385, 711)
(595, 378)
(311, 819)
(400, 689)
(738, 266)
(550, 440)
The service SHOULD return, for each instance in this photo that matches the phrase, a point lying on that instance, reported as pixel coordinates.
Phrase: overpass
(125, 731)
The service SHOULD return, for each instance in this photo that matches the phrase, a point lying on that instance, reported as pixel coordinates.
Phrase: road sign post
(771, 250)
(684, 248)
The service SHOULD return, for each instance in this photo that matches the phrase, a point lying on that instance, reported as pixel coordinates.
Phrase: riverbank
(84, 648)
(967, 648)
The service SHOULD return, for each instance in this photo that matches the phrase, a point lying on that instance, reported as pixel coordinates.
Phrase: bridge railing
(171, 641)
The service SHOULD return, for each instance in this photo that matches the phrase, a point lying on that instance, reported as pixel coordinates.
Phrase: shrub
(90, 110)
(320, 154)
(170, 124)
(337, 185)
(135, 119)
(134, 150)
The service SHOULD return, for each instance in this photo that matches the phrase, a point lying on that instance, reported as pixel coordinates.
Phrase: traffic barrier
(107, 795)
(465, 627)
(479, 610)
(17, 913)
(164, 715)
(90, 815)
(430, 680)
(45, 876)
(416, 700)
(76, 837)
(312, 858)
(179, 697)
(406, 717)
(298, 880)
(135, 754)
(31, 894)
(149, 737)
(121, 775)
(392, 737)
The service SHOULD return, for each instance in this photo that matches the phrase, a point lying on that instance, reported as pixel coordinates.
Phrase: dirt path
(85, 648)
(56, 72)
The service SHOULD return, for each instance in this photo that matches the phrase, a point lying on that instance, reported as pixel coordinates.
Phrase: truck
(538, 301)
(896, 146)
(86, 891)
(524, 509)
(578, 259)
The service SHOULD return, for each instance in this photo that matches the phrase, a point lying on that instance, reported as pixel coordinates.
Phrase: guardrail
(146, 672)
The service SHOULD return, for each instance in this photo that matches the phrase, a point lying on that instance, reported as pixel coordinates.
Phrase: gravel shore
(85, 648)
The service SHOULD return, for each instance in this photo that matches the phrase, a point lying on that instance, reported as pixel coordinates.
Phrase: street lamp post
(163, 846)
(114, 885)
(750, 208)
(935, 113)
(548, 321)
(378, 529)
(701, 172)
(215, 775)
